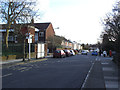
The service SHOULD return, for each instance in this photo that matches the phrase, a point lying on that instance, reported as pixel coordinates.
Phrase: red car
(76, 52)
(59, 54)
(68, 53)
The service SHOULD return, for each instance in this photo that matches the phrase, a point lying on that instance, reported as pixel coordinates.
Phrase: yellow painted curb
(39, 60)
(32, 61)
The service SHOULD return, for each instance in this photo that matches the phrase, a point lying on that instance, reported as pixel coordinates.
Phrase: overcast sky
(78, 20)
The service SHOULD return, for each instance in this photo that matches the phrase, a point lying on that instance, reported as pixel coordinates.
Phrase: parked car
(72, 52)
(76, 52)
(95, 53)
(59, 54)
(67, 52)
(87, 51)
(91, 50)
(84, 52)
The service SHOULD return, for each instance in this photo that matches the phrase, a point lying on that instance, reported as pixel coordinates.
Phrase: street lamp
(54, 39)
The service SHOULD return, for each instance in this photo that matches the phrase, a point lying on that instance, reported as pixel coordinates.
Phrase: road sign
(29, 37)
(30, 40)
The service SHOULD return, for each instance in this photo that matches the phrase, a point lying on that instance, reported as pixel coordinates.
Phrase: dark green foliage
(16, 49)
(111, 34)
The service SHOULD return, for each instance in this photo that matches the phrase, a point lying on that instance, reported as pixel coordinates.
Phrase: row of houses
(40, 33)
(71, 45)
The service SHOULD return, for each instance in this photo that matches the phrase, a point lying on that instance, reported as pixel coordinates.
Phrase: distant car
(72, 52)
(67, 52)
(84, 52)
(59, 54)
(91, 50)
(87, 51)
(95, 53)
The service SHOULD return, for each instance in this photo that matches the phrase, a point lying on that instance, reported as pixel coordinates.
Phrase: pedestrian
(104, 53)
(110, 53)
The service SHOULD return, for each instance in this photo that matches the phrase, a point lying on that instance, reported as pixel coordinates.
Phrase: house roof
(40, 26)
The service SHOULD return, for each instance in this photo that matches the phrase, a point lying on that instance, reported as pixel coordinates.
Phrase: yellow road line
(22, 68)
(32, 61)
(26, 69)
(38, 60)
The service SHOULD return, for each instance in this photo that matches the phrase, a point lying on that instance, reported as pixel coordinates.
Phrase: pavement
(104, 74)
(19, 60)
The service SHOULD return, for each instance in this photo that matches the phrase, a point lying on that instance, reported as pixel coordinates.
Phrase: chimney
(32, 21)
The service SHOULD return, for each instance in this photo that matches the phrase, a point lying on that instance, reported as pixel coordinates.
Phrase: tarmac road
(69, 72)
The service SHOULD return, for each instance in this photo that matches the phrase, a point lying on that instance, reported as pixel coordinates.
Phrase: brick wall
(50, 31)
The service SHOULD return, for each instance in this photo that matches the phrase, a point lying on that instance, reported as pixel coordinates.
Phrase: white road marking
(7, 75)
(110, 77)
(99, 59)
(96, 59)
(87, 75)
(108, 69)
(111, 84)
(104, 63)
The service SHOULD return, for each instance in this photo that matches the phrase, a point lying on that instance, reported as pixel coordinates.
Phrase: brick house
(43, 32)
(40, 31)
(66, 44)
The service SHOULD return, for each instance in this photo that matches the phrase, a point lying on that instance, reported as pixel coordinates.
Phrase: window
(10, 38)
(36, 37)
(16, 39)
(2, 37)
(41, 34)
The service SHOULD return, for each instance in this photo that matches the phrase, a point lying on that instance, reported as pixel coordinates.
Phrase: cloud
(43, 5)
(78, 20)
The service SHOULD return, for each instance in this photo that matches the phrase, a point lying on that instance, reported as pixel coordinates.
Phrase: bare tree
(54, 42)
(112, 29)
(16, 11)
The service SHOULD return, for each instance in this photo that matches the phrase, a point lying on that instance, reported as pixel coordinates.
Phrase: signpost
(28, 32)
(29, 41)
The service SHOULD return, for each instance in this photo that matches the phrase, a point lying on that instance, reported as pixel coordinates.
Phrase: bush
(16, 49)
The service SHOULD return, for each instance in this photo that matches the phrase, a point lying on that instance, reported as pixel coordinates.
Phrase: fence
(16, 49)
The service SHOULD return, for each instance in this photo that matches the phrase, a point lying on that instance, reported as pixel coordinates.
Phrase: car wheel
(60, 56)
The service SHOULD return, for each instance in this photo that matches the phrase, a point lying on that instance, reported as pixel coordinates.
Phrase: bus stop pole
(29, 47)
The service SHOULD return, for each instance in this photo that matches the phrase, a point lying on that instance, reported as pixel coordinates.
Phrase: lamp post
(54, 39)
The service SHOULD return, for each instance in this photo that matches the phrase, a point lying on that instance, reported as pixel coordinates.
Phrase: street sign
(30, 40)
(29, 37)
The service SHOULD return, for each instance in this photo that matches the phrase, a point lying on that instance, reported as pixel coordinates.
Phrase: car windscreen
(57, 51)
